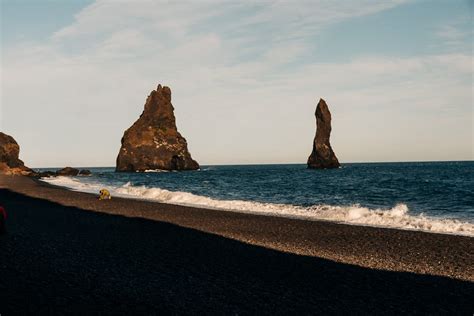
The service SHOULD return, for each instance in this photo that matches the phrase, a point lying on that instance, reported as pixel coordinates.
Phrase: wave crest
(396, 217)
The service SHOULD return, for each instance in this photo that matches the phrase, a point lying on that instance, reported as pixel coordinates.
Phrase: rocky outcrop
(322, 156)
(68, 172)
(10, 162)
(64, 172)
(153, 141)
(85, 172)
(45, 174)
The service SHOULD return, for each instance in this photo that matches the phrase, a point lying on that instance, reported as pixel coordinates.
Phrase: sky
(245, 77)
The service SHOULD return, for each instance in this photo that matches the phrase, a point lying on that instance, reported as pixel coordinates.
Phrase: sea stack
(153, 141)
(10, 162)
(322, 156)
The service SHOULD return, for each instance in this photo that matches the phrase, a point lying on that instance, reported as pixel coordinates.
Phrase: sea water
(429, 196)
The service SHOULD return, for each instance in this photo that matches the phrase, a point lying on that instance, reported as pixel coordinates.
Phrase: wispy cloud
(243, 77)
(455, 36)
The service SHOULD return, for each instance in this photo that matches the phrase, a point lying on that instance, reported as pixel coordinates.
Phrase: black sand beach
(130, 256)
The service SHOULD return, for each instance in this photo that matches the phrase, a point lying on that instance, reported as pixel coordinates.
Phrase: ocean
(429, 196)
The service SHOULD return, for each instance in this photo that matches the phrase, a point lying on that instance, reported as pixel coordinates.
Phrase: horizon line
(285, 163)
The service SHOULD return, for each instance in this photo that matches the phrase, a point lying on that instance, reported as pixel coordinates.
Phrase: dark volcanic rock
(322, 156)
(10, 162)
(153, 141)
(43, 174)
(85, 172)
(68, 171)
(46, 174)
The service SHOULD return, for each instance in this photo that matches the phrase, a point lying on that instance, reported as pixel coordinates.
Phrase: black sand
(62, 259)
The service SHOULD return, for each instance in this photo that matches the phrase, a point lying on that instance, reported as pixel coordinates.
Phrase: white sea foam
(155, 170)
(395, 217)
(73, 184)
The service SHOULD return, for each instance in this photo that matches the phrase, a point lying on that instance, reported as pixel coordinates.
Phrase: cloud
(244, 84)
(455, 36)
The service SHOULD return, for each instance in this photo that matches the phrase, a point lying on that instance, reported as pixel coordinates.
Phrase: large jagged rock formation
(10, 162)
(153, 141)
(322, 156)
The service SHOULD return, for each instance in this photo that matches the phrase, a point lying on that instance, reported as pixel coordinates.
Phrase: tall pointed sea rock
(322, 156)
(153, 141)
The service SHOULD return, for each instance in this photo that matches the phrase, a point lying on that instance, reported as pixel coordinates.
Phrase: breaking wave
(396, 217)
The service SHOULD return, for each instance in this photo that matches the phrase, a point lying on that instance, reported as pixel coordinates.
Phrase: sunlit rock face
(153, 141)
(10, 162)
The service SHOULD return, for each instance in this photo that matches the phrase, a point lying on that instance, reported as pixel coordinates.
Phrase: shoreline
(389, 249)
(421, 223)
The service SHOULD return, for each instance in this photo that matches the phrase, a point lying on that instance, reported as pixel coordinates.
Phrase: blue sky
(29, 20)
(245, 76)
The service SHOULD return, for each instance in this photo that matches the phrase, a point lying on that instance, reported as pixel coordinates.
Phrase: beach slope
(66, 251)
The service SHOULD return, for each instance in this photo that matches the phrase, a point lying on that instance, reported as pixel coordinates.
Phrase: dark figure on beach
(3, 218)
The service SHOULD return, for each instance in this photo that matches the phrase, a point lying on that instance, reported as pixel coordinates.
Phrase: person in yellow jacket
(104, 194)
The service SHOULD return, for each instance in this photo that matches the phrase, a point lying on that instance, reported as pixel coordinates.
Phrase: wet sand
(68, 252)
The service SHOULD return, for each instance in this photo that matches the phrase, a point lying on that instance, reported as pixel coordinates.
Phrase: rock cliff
(322, 156)
(10, 162)
(153, 141)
